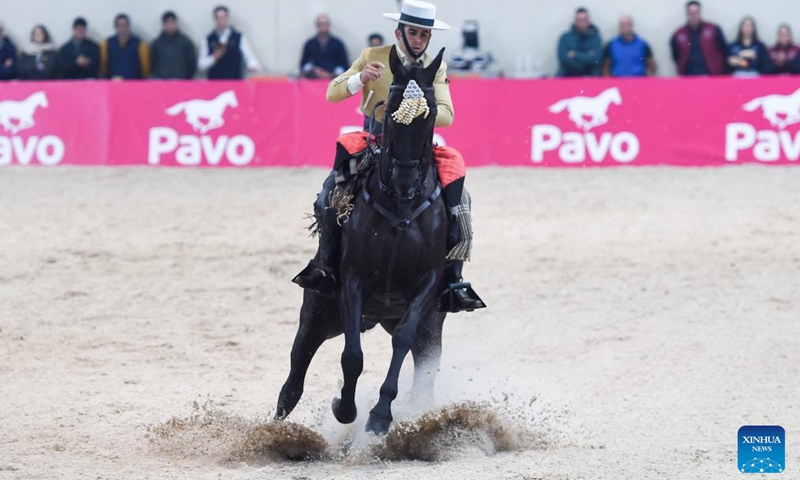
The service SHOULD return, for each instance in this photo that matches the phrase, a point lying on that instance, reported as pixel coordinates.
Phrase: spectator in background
(785, 55)
(79, 58)
(226, 50)
(172, 54)
(628, 55)
(324, 56)
(580, 50)
(699, 47)
(8, 56)
(747, 56)
(124, 55)
(375, 40)
(38, 59)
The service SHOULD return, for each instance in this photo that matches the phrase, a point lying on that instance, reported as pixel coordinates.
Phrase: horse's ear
(396, 65)
(432, 69)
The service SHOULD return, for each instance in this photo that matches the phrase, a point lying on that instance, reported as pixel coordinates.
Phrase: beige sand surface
(638, 318)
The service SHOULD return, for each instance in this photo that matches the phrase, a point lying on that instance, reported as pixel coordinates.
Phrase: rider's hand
(371, 72)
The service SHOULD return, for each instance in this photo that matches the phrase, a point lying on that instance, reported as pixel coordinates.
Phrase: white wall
(509, 28)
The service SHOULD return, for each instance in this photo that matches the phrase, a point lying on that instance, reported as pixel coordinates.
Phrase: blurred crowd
(226, 53)
(698, 47)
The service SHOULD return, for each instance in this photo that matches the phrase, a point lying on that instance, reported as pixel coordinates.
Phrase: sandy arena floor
(638, 318)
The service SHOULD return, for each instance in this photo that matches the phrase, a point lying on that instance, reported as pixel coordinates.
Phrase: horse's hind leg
(214, 123)
(344, 408)
(315, 328)
(25, 123)
(380, 417)
(427, 353)
(195, 122)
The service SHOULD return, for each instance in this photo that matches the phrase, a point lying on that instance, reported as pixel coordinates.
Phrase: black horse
(392, 262)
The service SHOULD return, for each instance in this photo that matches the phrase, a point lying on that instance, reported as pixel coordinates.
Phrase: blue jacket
(628, 59)
(7, 51)
(588, 50)
(762, 63)
(126, 60)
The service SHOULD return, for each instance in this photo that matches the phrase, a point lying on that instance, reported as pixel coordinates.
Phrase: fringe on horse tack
(463, 249)
(314, 227)
(341, 200)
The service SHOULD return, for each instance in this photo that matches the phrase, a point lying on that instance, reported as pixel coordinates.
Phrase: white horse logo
(593, 108)
(775, 106)
(210, 110)
(22, 112)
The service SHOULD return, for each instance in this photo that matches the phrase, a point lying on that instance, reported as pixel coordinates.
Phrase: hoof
(341, 414)
(378, 424)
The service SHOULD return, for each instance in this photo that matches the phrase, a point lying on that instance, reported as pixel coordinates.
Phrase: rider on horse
(370, 76)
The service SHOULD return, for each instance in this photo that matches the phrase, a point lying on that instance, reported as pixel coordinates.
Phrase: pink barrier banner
(538, 123)
(53, 123)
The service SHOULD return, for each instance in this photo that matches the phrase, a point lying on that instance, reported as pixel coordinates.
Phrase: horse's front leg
(423, 303)
(352, 303)
(318, 322)
(427, 353)
(791, 119)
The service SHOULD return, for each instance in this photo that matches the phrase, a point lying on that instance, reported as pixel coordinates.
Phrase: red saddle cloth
(449, 161)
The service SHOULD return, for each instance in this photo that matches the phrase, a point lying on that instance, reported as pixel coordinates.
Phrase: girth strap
(401, 225)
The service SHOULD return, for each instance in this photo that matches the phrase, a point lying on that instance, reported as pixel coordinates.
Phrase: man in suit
(226, 52)
(370, 76)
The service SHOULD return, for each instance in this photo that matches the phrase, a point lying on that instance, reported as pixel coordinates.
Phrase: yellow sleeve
(144, 58)
(104, 59)
(444, 104)
(337, 89)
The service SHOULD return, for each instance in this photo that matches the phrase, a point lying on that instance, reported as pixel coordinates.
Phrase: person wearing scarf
(37, 60)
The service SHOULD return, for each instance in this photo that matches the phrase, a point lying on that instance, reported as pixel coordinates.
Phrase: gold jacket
(337, 89)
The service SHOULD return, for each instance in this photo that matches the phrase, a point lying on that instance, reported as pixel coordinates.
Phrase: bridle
(398, 223)
(416, 163)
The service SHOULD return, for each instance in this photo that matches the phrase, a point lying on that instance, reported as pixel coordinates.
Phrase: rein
(400, 225)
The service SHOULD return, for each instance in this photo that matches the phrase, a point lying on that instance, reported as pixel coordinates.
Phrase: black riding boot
(464, 298)
(319, 275)
(458, 295)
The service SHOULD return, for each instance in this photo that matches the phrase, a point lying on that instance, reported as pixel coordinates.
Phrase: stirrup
(318, 278)
(450, 301)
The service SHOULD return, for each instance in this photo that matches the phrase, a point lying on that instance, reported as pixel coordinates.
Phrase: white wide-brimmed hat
(418, 14)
